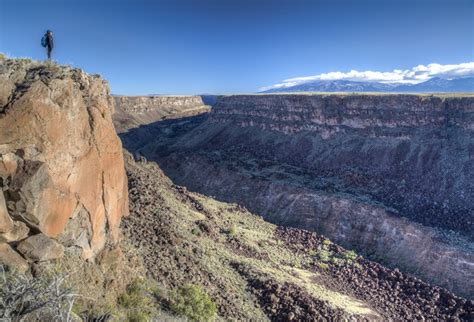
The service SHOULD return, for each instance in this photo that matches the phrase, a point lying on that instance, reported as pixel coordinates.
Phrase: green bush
(350, 256)
(3, 56)
(324, 255)
(232, 231)
(326, 242)
(323, 265)
(193, 302)
(138, 301)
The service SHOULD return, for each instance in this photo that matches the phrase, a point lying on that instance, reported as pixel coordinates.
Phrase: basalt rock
(40, 248)
(61, 163)
(390, 176)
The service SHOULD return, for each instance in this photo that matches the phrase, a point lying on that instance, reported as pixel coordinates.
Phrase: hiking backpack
(44, 42)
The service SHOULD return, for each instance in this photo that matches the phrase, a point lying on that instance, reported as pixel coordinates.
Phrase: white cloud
(415, 75)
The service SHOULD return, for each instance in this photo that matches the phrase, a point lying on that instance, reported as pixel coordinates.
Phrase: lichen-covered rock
(39, 248)
(11, 259)
(59, 154)
(18, 232)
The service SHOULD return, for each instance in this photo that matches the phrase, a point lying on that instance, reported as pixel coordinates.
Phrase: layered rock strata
(389, 175)
(133, 111)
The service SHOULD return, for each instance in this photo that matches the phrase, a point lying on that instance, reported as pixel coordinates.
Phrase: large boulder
(18, 232)
(11, 259)
(61, 163)
(39, 248)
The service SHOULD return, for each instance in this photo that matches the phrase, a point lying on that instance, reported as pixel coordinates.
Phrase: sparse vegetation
(232, 231)
(350, 256)
(138, 301)
(324, 256)
(3, 56)
(193, 302)
(23, 296)
(196, 231)
(323, 265)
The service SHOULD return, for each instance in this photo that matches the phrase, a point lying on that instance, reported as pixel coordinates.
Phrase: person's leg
(49, 53)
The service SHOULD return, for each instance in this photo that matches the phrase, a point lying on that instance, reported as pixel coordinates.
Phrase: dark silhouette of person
(48, 37)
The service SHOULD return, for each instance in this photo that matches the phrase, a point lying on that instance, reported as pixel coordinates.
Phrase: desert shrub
(350, 255)
(323, 265)
(24, 60)
(337, 261)
(3, 56)
(138, 301)
(196, 231)
(324, 255)
(193, 302)
(46, 296)
(232, 231)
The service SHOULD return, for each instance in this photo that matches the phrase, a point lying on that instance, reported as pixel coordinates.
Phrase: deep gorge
(390, 176)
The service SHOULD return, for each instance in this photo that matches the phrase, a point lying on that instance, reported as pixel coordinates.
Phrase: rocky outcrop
(61, 165)
(133, 111)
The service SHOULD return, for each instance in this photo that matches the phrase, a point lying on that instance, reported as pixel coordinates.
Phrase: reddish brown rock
(59, 146)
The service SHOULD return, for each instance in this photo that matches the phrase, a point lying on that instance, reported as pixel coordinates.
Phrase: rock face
(132, 111)
(412, 153)
(388, 175)
(61, 164)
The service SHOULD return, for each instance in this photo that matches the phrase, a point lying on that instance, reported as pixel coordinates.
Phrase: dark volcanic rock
(391, 176)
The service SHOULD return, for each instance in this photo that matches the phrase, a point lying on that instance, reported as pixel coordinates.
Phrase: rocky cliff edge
(62, 177)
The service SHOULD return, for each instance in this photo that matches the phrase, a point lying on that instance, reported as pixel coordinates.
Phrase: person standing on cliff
(47, 42)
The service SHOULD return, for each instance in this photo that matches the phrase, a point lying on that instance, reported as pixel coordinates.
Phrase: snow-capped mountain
(434, 85)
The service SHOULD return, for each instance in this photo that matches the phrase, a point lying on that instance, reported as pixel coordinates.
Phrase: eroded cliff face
(397, 116)
(61, 164)
(133, 111)
(413, 153)
(391, 176)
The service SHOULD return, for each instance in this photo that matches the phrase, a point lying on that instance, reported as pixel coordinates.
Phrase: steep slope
(388, 175)
(61, 164)
(254, 270)
(132, 111)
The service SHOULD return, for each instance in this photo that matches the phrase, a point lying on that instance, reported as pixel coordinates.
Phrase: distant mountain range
(434, 85)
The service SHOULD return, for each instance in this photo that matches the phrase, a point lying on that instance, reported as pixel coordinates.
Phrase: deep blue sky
(227, 46)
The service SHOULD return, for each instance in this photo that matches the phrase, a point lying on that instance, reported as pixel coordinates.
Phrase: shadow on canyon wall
(292, 196)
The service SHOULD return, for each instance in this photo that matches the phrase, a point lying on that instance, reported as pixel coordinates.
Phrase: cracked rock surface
(61, 165)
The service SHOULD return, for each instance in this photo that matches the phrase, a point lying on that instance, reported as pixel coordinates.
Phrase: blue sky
(227, 46)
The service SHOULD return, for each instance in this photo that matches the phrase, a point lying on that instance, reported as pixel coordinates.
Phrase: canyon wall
(391, 176)
(62, 177)
(412, 153)
(132, 111)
